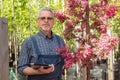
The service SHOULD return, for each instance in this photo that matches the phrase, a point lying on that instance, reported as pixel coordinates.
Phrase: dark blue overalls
(57, 60)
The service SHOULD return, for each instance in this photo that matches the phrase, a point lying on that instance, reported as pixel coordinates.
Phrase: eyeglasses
(44, 18)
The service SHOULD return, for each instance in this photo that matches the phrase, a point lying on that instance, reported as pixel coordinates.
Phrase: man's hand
(46, 69)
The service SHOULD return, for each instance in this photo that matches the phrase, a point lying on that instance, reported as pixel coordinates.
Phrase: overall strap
(35, 44)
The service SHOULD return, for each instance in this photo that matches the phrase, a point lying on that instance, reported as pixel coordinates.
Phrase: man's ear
(37, 21)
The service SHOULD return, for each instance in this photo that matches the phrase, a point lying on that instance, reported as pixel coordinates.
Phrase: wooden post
(4, 65)
(110, 62)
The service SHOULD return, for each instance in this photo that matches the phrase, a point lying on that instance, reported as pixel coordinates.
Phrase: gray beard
(46, 28)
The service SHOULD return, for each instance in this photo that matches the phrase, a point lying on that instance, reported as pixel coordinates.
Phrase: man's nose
(46, 19)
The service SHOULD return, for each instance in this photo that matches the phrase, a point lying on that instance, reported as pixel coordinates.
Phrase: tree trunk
(88, 72)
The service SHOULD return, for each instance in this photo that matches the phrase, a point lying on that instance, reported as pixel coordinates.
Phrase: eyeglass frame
(44, 18)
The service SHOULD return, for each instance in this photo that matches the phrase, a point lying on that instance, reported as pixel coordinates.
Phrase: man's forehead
(45, 13)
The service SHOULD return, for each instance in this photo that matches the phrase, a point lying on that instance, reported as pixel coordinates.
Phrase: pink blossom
(69, 24)
(105, 45)
(61, 50)
(96, 46)
(85, 3)
(111, 11)
(69, 60)
(68, 57)
(60, 16)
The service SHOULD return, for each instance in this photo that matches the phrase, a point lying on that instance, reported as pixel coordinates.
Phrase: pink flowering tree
(87, 24)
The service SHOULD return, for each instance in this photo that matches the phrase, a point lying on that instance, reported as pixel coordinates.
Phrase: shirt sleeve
(23, 60)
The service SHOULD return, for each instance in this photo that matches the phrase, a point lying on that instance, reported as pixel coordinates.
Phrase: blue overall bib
(56, 60)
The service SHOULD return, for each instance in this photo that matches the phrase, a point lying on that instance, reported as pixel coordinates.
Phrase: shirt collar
(40, 33)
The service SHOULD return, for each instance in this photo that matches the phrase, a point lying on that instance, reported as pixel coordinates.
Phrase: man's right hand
(46, 69)
(38, 71)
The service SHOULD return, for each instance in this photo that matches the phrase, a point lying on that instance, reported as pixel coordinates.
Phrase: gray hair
(46, 9)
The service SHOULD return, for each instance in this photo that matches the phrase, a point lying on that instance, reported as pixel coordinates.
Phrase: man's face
(45, 20)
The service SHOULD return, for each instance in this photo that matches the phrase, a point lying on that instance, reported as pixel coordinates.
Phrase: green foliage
(21, 15)
(115, 25)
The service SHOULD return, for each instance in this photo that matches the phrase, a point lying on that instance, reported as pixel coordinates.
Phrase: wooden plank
(4, 61)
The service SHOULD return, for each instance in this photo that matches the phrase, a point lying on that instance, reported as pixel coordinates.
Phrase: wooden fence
(4, 67)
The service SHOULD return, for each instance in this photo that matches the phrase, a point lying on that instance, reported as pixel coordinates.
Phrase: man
(44, 44)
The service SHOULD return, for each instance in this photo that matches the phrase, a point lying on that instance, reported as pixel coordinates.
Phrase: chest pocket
(48, 59)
